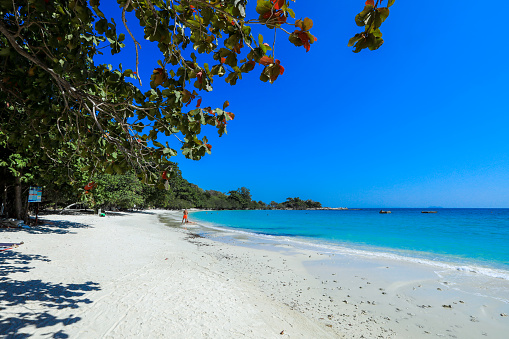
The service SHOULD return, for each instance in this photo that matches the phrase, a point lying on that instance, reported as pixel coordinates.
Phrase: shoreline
(131, 275)
(420, 288)
(493, 269)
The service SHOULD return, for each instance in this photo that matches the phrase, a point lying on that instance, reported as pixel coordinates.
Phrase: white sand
(129, 276)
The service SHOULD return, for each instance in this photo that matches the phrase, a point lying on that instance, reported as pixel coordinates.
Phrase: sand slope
(128, 276)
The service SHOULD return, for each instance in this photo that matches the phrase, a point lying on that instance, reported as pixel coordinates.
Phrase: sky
(423, 121)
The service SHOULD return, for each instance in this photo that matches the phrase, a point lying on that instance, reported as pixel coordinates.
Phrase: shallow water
(474, 240)
(465, 248)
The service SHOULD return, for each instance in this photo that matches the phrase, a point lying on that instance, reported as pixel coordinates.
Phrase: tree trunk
(18, 206)
(5, 207)
(4, 200)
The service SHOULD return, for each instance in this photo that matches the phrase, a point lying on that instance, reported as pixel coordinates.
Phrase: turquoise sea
(472, 240)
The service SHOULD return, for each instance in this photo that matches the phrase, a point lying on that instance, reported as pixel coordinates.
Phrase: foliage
(47, 51)
(298, 204)
(240, 199)
(65, 118)
(154, 197)
(122, 191)
(371, 18)
(25, 164)
(126, 191)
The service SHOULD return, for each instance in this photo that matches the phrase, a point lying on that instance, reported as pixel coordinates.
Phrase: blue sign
(35, 194)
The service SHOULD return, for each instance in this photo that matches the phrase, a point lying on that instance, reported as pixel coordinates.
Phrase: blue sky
(420, 122)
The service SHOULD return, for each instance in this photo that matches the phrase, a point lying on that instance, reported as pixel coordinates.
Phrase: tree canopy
(125, 191)
(57, 103)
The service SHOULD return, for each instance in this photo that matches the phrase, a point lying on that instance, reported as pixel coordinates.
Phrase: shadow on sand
(127, 213)
(49, 226)
(35, 303)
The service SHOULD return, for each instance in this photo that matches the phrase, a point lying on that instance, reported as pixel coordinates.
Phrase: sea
(473, 240)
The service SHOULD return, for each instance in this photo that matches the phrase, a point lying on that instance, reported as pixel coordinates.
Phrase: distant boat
(384, 212)
(428, 211)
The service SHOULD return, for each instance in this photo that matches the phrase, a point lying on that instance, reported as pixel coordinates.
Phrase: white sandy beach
(131, 276)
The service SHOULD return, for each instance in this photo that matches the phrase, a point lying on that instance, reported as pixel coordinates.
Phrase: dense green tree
(313, 204)
(241, 198)
(154, 197)
(13, 175)
(216, 200)
(258, 205)
(296, 204)
(115, 190)
(29, 166)
(56, 101)
(47, 51)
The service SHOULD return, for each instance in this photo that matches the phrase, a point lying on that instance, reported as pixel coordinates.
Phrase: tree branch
(136, 43)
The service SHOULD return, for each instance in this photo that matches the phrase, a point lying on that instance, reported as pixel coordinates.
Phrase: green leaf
(118, 169)
(364, 17)
(377, 33)
(376, 44)
(263, 6)
(109, 169)
(355, 38)
(101, 26)
(380, 15)
(169, 152)
(308, 24)
(232, 78)
(264, 77)
(260, 39)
